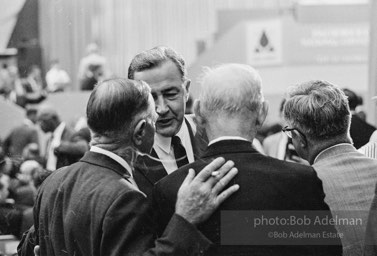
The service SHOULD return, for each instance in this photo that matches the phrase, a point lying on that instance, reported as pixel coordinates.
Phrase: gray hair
(231, 89)
(154, 57)
(319, 108)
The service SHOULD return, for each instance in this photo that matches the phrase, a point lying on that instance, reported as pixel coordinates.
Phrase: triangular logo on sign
(264, 44)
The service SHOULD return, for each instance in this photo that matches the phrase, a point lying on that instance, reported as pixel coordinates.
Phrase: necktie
(179, 152)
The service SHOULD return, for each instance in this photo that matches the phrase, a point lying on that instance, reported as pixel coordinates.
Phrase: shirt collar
(226, 138)
(113, 156)
(59, 130)
(165, 142)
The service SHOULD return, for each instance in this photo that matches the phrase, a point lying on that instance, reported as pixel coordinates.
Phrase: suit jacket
(265, 184)
(370, 245)
(360, 131)
(148, 171)
(64, 159)
(92, 208)
(349, 179)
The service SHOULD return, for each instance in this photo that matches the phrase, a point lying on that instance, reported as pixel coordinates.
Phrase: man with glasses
(318, 118)
(177, 141)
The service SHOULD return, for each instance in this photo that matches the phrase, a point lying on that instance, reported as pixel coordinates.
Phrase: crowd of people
(33, 88)
(144, 177)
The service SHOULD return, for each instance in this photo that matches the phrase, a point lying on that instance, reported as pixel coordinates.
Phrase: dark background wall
(25, 37)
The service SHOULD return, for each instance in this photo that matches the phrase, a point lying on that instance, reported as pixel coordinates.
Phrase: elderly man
(318, 118)
(94, 207)
(177, 141)
(231, 108)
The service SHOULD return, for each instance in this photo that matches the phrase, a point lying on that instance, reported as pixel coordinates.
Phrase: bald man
(231, 108)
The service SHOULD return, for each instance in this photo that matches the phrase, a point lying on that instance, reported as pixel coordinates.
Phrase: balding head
(232, 91)
(116, 106)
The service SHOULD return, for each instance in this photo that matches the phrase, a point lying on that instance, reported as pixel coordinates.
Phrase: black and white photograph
(188, 127)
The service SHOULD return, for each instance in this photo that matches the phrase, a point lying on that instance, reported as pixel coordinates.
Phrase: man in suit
(231, 108)
(94, 207)
(49, 121)
(177, 140)
(370, 245)
(22, 135)
(318, 118)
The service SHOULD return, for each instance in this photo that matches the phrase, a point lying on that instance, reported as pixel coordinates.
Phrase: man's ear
(302, 140)
(139, 132)
(262, 114)
(198, 116)
(186, 85)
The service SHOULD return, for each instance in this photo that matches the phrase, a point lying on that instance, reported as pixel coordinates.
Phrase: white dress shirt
(165, 152)
(54, 142)
(117, 159)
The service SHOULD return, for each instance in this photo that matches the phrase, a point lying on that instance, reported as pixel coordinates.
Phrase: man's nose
(161, 106)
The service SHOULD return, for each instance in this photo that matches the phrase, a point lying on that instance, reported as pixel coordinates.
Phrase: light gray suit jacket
(349, 179)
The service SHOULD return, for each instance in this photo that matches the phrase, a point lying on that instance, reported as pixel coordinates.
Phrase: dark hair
(39, 176)
(154, 57)
(353, 99)
(113, 105)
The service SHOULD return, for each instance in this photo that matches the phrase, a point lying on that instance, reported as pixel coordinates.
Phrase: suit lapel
(153, 170)
(199, 140)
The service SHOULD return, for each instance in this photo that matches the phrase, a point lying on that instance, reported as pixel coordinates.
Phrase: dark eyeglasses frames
(288, 131)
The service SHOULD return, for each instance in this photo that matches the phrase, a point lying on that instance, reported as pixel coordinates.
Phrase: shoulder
(171, 183)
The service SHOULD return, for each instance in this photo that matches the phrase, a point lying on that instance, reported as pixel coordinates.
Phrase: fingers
(207, 171)
(226, 193)
(36, 250)
(190, 176)
(223, 182)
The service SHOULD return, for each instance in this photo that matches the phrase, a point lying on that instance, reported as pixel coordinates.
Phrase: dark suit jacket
(265, 184)
(66, 158)
(148, 171)
(370, 246)
(91, 208)
(360, 131)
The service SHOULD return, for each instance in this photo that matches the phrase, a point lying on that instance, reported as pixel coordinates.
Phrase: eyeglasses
(288, 131)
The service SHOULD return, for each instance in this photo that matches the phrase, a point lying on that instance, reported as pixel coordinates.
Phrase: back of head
(113, 106)
(47, 110)
(319, 109)
(31, 114)
(27, 170)
(231, 90)
(154, 57)
(48, 118)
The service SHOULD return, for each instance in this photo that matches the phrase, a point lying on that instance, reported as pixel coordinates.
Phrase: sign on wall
(285, 41)
(264, 42)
